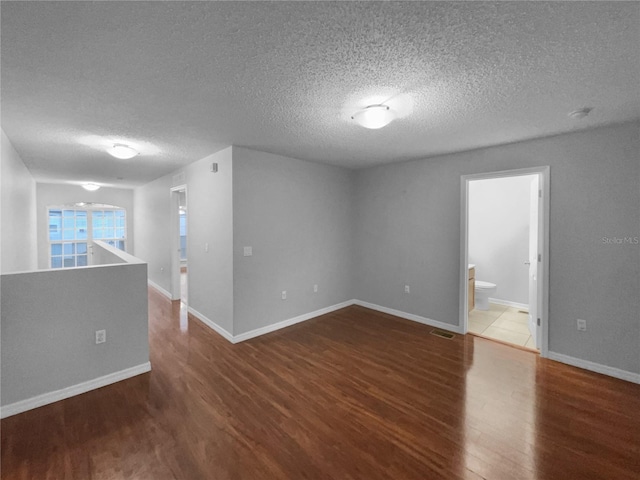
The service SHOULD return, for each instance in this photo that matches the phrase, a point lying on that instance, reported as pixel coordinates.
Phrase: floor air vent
(443, 334)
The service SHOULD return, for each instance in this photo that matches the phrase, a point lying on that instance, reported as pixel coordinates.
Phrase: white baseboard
(595, 367)
(292, 321)
(508, 303)
(57, 395)
(159, 288)
(211, 324)
(410, 316)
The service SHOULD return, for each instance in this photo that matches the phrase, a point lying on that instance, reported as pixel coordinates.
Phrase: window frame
(89, 209)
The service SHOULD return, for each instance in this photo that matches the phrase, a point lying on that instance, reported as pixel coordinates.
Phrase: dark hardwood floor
(354, 394)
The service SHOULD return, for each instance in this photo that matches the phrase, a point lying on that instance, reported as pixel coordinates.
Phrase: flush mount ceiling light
(121, 151)
(92, 187)
(374, 116)
(580, 113)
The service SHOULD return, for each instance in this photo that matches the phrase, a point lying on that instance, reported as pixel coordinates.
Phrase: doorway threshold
(509, 344)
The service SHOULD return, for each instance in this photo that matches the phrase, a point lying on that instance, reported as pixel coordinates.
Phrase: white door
(533, 263)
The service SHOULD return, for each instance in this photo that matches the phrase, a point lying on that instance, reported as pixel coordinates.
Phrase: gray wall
(53, 194)
(17, 212)
(152, 229)
(210, 221)
(407, 231)
(297, 218)
(49, 319)
(499, 234)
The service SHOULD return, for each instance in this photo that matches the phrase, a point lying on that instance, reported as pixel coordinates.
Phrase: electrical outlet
(582, 325)
(284, 294)
(315, 289)
(101, 336)
(248, 251)
(407, 289)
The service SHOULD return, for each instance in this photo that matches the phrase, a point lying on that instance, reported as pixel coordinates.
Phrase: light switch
(248, 251)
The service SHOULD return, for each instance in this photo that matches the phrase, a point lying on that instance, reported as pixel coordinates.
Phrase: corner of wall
(17, 203)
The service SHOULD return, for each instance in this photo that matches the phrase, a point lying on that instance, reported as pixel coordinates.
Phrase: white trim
(596, 367)
(463, 301)
(509, 303)
(174, 217)
(292, 321)
(543, 173)
(411, 316)
(154, 285)
(57, 395)
(543, 303)
(308, 316)
(611, 371)
(211, 324)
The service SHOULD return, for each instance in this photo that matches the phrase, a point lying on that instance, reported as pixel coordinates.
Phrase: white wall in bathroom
(499, 234)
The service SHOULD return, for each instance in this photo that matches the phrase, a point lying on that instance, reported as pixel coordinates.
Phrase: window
(109, 226)
(68, 238)
(71, 231)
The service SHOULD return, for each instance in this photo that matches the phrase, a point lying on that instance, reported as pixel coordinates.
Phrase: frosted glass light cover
(92, 187)
(123, 152)
(374, 116)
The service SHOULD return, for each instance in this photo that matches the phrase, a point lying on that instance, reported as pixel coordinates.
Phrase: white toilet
(483, 291)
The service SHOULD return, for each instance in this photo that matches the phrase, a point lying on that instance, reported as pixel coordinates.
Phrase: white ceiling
(181, 80)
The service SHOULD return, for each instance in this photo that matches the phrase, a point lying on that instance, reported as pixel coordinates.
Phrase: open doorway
(504, 256)
(179, 257)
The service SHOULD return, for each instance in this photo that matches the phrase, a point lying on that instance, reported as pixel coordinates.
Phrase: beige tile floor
(507, 324)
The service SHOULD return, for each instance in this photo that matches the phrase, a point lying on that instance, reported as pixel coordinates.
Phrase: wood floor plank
(354, 394)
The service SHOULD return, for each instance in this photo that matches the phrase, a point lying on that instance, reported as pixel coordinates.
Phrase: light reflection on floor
(184, 317)
(507, 421)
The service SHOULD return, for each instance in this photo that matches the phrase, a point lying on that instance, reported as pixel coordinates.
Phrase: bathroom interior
(502, 233)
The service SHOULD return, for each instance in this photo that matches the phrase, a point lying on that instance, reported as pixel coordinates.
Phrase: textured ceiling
(181, 80)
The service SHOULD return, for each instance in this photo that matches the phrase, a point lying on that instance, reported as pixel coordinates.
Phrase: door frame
(174, 217)
(543, 245)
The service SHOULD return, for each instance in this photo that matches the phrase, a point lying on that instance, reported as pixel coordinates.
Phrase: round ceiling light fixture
(374, 116)
(580, 113)
(92, 187)
(121, 151)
